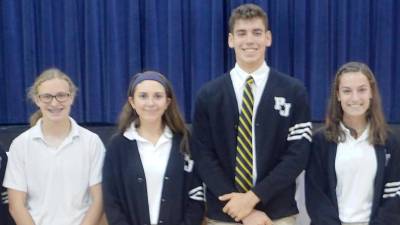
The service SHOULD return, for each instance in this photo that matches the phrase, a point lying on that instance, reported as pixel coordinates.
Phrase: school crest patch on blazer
(188, 164)
(282, 106)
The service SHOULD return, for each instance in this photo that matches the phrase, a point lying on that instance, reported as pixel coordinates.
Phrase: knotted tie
(244, 148)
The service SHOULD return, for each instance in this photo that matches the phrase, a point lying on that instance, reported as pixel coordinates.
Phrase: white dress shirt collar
(260, 75)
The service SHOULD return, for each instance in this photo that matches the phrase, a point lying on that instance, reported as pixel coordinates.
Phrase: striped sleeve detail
(4, 197)
(300, 131)
(392, 189)
(197, 193)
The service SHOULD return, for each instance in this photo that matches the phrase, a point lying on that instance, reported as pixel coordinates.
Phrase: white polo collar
(132, 134)
(38, 134)
(362, 137)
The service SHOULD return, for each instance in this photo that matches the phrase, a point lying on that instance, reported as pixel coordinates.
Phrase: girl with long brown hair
(148, 174)
(353, 176)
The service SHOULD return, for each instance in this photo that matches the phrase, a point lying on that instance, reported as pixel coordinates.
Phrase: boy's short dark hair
(247, 12)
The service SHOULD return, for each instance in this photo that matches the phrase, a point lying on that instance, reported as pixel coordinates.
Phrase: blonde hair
(49, 74)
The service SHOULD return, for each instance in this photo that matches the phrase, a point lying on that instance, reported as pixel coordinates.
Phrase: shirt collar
(38, 134)
(259, 75)
(132, 134)
(362, 137)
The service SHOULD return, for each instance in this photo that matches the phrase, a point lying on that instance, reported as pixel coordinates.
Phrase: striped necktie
(244, 148)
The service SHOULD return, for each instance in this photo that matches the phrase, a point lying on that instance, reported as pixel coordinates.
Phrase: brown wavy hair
(172, 116)
(247, 12)
(48, 74)
(378, 126)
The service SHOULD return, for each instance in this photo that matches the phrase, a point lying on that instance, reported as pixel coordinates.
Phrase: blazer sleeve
(204, 154)
(389, 208)
(293, 159)
(321, 209)
(111, 196)
(195, 199)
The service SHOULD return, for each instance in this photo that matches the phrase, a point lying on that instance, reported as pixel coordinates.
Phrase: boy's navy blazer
(279, 161)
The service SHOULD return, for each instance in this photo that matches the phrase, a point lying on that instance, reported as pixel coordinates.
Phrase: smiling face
(54, 99)
(150, 101)
(354, 95)
(249, 39)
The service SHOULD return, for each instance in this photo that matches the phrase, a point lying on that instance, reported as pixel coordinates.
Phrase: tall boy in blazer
(280, 131)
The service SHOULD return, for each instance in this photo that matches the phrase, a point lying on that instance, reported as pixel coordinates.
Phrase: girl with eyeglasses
(53, 174)
(353, 176)
(148, 176)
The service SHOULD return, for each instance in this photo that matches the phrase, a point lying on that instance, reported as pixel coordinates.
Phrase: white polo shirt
(154, 160)
(56, 180)
(356, 167)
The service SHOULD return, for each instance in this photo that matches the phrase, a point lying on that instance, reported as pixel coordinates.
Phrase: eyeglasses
(60, 97)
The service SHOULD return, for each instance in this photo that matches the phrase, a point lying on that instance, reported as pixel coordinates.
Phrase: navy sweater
(125, 193)
(321, 183)
(282, 133)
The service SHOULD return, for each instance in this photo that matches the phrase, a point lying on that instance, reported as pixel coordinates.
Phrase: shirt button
(166, 178)
(139, 179)
(163, 200)
(160, 222)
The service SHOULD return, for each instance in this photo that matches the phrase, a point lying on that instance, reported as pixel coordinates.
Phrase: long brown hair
(172, 116)
(49, 74)
(378, 126)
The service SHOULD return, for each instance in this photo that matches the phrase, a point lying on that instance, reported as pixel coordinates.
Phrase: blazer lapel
(175, 161)
(380, 152)
(136, 177)
(331, 170)
(265, 119)
(231, 119)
